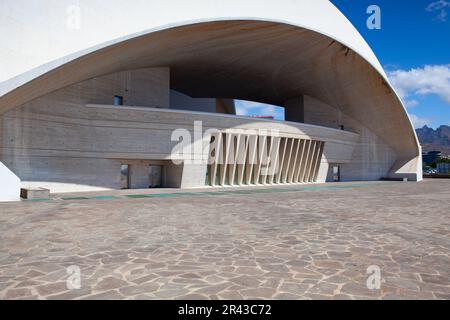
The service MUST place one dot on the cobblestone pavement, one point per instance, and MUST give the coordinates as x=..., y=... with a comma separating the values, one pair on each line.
x=291, y=245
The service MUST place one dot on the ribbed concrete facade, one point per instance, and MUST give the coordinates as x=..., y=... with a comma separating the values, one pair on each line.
x=246, y=159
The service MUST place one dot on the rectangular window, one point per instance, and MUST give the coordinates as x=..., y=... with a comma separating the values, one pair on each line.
x=118, y=100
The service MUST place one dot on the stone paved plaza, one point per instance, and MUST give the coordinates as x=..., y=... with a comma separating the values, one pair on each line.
x=286, y=243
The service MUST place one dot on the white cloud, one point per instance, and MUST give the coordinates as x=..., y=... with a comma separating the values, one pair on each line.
x=250, y=108
x=432, y=79
x=410, y=103
x=440, y=8
x=246, y=108
x=269, y=111
x=242, y=110
x=418, y=122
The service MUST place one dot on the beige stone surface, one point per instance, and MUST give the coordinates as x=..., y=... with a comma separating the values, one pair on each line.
x=309, y=242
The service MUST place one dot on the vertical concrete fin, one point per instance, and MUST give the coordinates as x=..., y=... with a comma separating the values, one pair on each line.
x=318, y=162
x=304, y=169
x=294, y=162
x=301, y=161
x=283, y=145
x=275, y=159
x=217, y=159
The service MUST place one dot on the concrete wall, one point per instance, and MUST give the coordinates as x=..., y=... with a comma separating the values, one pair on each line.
x=371, y=159
x=295, y=109
x=63, y=142
x=52, y=143
x=142, y=87
x=181, y=101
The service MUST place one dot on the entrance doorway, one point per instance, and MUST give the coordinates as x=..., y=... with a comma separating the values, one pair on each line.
x=336, y=173
x=125, y=176
x=155, y=176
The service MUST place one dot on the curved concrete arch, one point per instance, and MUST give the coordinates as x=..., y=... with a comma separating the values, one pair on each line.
x=335, y=64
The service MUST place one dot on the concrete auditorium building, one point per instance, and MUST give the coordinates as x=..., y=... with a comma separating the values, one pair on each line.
x=92, y=91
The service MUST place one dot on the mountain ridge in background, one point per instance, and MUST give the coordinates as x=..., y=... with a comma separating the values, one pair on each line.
x=435, y=140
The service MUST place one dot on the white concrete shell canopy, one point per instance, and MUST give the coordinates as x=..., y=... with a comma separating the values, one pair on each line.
x=263, y=51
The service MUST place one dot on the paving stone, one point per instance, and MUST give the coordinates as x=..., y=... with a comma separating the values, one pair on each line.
x=328, y=264
x=314, y=296
x=143, y=297
x=287, y=296
x=140, y=289
x=144, y=279
x=230, y=295
x=108, y=295
x=110, y=283
x=359, y=290
x=342, y=297
x=246, y=281
x=28, y=283
x=117, y=259
x=275, y=267
x=434, y=279
x=318, y=245
x=52, y=288
x=402, y=283
x=29, y=298
x=271, y=283
x=297, y=263
x=261, y=293
x=96, y=256
x=34, y=274
x=171, y=293
x=17, y=293
x=295, y=288
x=442, y=296
x=323, y=288
x=5, y=285
x=140, y=260
x=214, y=279
x=190, y=276
x=214, y=289
x=71, y=295
x=192, y=297
x=249, y=271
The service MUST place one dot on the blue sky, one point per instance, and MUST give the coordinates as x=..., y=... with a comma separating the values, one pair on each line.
x=413, y=46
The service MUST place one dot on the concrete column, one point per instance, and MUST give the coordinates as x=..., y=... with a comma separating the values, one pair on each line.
x=301, y=161
x=294, y=109
x=193, y=176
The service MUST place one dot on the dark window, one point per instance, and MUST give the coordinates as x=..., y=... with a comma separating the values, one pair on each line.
x=336, y=173
x=341, y=127
x=125, y=176
x=118, y=100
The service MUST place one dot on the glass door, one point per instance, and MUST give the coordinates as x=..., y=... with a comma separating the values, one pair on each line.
x=336, y=173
